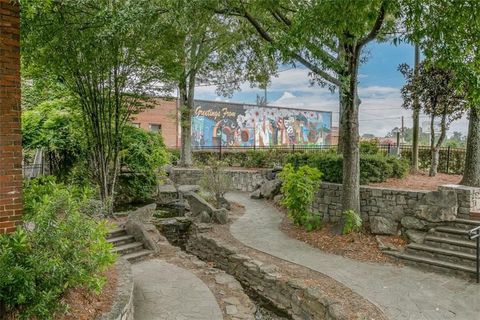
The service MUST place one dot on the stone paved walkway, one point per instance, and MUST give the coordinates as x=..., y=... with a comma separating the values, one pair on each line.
x=402, y=292
x=164, y=291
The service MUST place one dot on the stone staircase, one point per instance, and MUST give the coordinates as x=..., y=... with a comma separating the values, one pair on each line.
x=446, y=248
x=126, y=246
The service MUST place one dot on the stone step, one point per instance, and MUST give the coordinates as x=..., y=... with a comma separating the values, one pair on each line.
x=467, y=246
x=138, y=255
x=431, y=264
x=461, y=258
x=466, y=223
x=451, y=232
x=117, y=241
x=128, y=248
x=117, y=232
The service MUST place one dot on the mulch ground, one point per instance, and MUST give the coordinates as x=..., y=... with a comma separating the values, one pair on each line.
x=361, y=246
x=420, y=181
x=86, y=305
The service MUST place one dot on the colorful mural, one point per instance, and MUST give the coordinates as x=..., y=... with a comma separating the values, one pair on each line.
x=249, y=125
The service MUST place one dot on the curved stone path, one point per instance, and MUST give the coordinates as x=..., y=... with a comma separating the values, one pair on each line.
x=164, y=291
x=402, y=292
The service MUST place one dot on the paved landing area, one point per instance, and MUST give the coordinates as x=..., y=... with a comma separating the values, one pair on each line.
x=402, y=292
x=164, y=291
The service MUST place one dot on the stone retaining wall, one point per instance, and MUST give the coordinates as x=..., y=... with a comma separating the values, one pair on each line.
x=389, y=203
x=293, y=296
x=122, y=307
x=243, y=180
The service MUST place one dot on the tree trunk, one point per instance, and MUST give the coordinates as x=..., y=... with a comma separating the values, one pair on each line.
x=434, y=164
x=351, y=152
x=435, y=148
x=185, y=124
x=416, y=117
x=433, y=171
x=341, y=106
x=471, y=173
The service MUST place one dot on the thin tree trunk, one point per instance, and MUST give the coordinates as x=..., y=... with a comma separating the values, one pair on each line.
x=185, y=124
x=471, y=173
x=432, y=145
x=351, y=152
x=416, y=117
x=436, y=147
x=341, y=119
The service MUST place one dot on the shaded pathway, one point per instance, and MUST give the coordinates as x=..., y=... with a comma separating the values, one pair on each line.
x=164, y=291
x=402, y=292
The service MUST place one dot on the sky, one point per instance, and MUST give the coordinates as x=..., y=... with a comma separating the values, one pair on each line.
x=379, y=89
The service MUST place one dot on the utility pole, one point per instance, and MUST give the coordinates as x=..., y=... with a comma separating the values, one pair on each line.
x=403, y=132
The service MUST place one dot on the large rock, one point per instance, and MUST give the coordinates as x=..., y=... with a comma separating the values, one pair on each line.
x=220, y=216
x=198, y=204
x=409, y=222
x=188, y=188
x=143, y=214
x=205, y=217
x=416, y=236
x=270, y=188
x=166, y=193
x=224, y=203
x=382, y=225
x=437, y=206
x=256, y=194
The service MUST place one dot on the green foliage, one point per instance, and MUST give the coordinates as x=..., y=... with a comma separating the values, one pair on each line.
x=143, y=156
x=353, y=222
x=60, y=248
x=369, y=147
x=298, y=188
x=373, y=167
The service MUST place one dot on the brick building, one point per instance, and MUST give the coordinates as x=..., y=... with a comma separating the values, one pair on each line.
x=163, y=118
x=10, y=129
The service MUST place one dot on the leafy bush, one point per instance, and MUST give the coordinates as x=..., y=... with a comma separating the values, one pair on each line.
x=373, y=167
x=143, y=155
x=369, y=147
x=353, y=222
x=59, y=248
x=298, y=188
x=216, y=182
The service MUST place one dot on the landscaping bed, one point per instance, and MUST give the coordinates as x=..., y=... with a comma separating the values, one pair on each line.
x=419, y=181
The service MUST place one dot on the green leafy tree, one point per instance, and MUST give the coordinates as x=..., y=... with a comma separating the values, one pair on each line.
x=447, y=31
x=328, y=38
x=104, y=54
x=433, y=87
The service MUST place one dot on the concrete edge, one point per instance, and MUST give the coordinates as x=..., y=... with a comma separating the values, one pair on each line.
x=122, y=306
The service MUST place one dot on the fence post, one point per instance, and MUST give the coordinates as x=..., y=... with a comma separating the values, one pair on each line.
x=448, y=158
x=220, y=150
x=388, y=150
x=293, y=147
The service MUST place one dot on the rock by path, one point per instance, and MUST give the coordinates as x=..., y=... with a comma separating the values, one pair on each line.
x=164, y=291
x=403, y=293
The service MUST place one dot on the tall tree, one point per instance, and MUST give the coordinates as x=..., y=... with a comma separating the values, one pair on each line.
x=430, y=89
x=327, y=37
x=416, y=116
x=448, y=31
x=210, y=50
x=102, y=50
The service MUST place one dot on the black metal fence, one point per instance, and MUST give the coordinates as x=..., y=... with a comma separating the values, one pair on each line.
x=451, y=160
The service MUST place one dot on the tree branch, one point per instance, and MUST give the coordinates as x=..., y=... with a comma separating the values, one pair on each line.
x=376, y=27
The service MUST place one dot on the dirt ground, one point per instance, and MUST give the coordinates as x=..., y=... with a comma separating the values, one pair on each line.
x=420, y=181
x=85, y=305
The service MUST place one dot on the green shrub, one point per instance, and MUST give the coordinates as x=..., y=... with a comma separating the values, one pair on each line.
x=369, y=147
x=353, y=222
x=374, y=168
x=59, y=248
x=143, y=155
x=400, y=166
x=298, y=188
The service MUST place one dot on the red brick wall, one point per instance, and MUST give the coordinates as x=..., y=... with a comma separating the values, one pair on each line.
x=165, y=114
x=10, y=130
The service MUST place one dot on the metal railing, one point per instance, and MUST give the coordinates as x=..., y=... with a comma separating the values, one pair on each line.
x=475, y=234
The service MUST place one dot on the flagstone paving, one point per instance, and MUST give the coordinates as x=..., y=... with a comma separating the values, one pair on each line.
x=402, y=292
x=164, y=291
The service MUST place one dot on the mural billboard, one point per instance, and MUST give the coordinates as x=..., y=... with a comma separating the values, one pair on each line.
x=242, y=125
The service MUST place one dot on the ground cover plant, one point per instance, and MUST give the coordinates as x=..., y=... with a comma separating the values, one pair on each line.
x=58, y=248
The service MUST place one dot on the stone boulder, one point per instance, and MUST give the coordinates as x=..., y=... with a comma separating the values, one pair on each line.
x=382, y=225
x=198, y=204
x=204, y=217
x=220, y=216
x=188, y=188
x=437, y=206
x=267, y=190
x=166, y=193
x=256, y=194
x=143, y=214
x=224, y=203
x=415, y=236
x=409, y=222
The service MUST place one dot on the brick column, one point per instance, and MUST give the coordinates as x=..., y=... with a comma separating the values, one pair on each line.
x=10, y=129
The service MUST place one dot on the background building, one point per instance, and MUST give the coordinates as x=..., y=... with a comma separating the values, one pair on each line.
x=239, y=125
